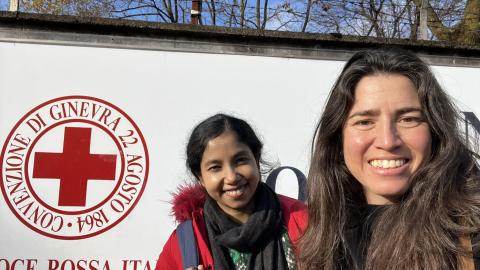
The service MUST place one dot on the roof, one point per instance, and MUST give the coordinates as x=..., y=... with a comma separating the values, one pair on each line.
x=120, y=33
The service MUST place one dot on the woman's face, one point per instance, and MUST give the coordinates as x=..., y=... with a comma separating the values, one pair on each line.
x=385, y=137
x=230, y=174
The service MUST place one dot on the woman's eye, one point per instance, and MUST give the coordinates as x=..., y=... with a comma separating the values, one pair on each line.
x=242, y=160
x=410, y=121
x=363, y=124
x=214, y=168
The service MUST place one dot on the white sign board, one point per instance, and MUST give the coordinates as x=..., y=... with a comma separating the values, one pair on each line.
x=130, y=112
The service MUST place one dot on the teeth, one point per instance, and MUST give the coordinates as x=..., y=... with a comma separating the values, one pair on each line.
x=235, y=192
x=387, y=164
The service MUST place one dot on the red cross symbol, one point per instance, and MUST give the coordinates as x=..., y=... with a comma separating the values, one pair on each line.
x=75, y=166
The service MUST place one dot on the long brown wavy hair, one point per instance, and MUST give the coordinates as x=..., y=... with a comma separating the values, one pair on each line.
x=442, y=204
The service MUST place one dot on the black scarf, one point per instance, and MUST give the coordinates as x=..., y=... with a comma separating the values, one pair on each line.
x=260, y=235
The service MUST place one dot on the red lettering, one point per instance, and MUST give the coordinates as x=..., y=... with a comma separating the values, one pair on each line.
x=127, y=199
x=71, y=108
x=7, y=265
x=55, y=115
x=130, y=179
x=128, y=188
x=15, y=263
x=15, y=187
x=64, y=263
x=15, y=150
x=131, y=169
x=19, y=264
x=36, y=124
x=93, y=265
x=82, y=264
x=106, y=113
x=106, y=266
x=147, y=266
x=128, y=139
x=11, y=161
x=60, y=224
x=95, y=111
x=83, y=109
x=18, y=138
x=31, y=264
x=22, y=197
x=114, y=123
x=46, y=220
x=117, y=205
x=137, y=265
x=65, y=110
x=17, y=170
x=26, y=207
x=53, y=264
x=36, y=216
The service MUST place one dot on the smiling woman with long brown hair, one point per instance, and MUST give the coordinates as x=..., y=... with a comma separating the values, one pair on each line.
x=392, y=182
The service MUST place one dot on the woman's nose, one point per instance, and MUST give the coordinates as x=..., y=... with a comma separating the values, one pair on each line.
x=387, y=137
x=230, y=174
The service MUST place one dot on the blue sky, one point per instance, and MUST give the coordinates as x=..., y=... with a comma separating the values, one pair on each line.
x=3, y=4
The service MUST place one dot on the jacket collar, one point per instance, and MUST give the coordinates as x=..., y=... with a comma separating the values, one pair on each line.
x=187, y=200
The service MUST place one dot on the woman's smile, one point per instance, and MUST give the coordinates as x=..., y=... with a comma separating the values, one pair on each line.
x=237, y=192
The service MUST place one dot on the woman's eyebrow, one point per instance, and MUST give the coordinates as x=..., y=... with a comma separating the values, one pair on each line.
x=211, y=161
x=377, y=112
x=365, y=113
x=408, y=110
x=241, y=153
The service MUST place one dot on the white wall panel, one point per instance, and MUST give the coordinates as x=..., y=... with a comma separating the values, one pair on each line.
x=166, y=94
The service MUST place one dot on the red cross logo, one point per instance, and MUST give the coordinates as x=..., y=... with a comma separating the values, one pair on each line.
x=83, y=189
x=75, y=166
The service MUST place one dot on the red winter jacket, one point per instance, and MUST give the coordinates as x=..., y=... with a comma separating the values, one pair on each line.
x=188, y=204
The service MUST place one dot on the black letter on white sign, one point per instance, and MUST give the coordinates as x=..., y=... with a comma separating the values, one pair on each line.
x=301, y=180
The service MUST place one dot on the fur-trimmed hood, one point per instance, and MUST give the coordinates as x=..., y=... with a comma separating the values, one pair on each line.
x=187, y=199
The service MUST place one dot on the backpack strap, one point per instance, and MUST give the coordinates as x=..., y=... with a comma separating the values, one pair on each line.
x=188, y=244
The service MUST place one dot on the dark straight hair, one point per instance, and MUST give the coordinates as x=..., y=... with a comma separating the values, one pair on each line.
x=441, y=205
x=213, y=127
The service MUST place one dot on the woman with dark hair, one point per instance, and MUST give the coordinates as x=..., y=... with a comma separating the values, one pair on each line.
x=238, y=222
x=392, y=183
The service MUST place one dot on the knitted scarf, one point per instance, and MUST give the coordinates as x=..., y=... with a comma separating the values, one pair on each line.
x=260, y=235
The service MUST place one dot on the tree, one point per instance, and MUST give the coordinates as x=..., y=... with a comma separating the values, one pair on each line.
x=451, y=23
x=448, y=20
x=93, y=8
